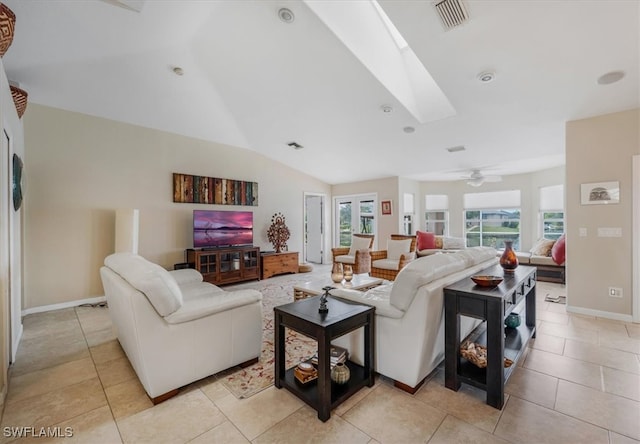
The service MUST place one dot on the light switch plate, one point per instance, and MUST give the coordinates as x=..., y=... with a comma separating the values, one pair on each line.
x=582, y=232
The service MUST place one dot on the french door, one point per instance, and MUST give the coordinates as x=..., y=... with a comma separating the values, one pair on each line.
x=354, y=214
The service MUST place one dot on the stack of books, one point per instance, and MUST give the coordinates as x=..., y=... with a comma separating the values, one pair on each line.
x=338, y=354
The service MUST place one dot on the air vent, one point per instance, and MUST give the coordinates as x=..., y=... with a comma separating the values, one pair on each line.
x=455, y=149
x=295, y=145
x=451, y=12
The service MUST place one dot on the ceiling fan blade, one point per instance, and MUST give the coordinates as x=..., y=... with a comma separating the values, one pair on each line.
x=493, y=178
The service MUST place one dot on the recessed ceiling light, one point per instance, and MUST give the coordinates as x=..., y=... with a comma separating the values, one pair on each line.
x=610, y=77
x=408, y=129
x=486, y=76
x=286, y=15
x=178, y=71
x=386, y=109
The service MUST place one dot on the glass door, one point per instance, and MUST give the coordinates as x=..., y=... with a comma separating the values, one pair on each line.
x=354, y=214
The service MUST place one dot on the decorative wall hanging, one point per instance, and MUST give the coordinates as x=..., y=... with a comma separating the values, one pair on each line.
x=19, y=99
x=386, y=207
x=600, y=193
x=211, y=190
x=278, y=233
x=17, y=182
x=7, y=28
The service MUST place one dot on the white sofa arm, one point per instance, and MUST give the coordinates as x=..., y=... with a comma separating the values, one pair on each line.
x=186, y=276
x=211, y=303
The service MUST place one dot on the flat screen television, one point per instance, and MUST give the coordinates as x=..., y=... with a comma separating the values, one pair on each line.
x=213, y=229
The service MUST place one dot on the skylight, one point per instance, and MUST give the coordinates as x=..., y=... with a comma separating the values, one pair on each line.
x=393, y=31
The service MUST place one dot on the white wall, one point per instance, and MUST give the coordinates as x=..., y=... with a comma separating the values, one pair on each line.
x=600, y=149
x=82, y=168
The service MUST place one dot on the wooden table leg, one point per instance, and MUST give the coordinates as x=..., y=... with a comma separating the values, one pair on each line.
x=369, y=357
x=452, y=343
x=279, y=351
x=495, y=359
x=324, y=377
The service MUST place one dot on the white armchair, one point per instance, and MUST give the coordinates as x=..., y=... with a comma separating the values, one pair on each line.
x=358, y=255
x=176, y=329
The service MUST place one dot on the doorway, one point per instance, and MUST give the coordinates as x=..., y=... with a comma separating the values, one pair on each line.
x=314, y=214
x=354, y=215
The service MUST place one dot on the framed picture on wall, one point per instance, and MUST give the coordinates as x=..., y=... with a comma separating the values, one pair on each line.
x=386, y=207
x=600, y=193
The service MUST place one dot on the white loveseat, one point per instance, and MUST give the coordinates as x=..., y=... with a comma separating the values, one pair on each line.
x=409, y=329
x=175, y=328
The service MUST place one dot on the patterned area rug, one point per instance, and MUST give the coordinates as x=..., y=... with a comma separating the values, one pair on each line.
x=248, y=381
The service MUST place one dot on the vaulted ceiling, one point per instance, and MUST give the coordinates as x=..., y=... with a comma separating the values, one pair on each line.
x=253, y=81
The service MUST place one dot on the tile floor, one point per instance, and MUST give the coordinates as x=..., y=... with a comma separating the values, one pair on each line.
x=579, y=383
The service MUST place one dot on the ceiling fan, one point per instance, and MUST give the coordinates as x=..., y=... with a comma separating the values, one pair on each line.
x=477, y=178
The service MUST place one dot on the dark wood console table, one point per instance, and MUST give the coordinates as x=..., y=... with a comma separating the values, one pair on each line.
x=342, y=318
x=516, y=292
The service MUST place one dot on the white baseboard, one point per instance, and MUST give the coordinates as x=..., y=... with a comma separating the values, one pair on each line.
x=600, y=314
x=62, y=305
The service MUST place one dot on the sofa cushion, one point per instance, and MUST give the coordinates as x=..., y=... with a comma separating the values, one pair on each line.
x=453, y=243
x=386, y=264
x=346, y=259
x=558, y=251
x=157, y=284
x=376, y=297
x=542, y=247
x=212, y=303
x=425, y=240
x=542, y=260
x=396, y=248
x=186, y=275
x=358, y=243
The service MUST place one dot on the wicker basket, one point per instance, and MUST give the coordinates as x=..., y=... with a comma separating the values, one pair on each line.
x=477, y=354
x=7, y=27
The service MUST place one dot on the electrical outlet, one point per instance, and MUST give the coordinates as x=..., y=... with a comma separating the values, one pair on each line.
x=615, y=292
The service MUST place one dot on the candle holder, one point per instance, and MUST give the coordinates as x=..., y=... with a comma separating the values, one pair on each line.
x=323, y=300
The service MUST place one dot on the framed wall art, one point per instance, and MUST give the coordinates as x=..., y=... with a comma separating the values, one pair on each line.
x=600, y=193
x=211, y=190
x=386, y=207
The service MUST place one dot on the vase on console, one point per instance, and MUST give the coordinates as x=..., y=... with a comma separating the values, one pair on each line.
x=347, y=271
x=336, y=272
x=509, y=260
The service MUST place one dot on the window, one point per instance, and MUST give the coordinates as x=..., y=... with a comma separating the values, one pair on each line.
x=354, y=214
x=407, y=219
x=492, y=218
x=436, y=215
x=552, y=211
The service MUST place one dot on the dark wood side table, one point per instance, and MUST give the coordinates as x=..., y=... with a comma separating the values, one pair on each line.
x=342, y=318
x=516, y=292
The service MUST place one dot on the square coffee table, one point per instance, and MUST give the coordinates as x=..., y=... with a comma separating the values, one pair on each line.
x=342, y=318
x=360, y=282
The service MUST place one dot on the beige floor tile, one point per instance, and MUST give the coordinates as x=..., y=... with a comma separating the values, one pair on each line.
x=41, y=322
x=115, y=371
x=615, y=438
x=569, y=332
x=526, y=422
x=95, y=427
x=621, y=383
x=93, y=318
x=603, y=409
x=178, y=420
x=550, y=316
x=107, y=351
x=44, y=327
x=468, y=403
x=453, y=430
x=633, y=330
x=619, y=342
x=225, y=433
x=353, y=400
x=99, y=337
x=391, y=415
x=563, y=367
x=598, y=324
x=603, y=356
x=556, y=308
x=48, y=351
x=255, y=415
x=552, y=344
x=52, y=378
x=304, y=426
x=55, y=406
x=213, y=388
x=533, y=386
x=127, y=398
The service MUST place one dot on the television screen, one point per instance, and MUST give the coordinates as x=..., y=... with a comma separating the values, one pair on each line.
x=222, y=228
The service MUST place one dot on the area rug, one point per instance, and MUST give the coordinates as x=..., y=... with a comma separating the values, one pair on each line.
x=248, y=381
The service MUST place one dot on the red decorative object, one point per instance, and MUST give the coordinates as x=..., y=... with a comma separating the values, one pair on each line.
x=278, y=233
x=19, y=99
x=425, y=240
x=7, y=27
x=509, y=260
x=558, y=252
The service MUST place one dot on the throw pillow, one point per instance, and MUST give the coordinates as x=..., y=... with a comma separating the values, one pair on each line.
x=558, y=252
x=542, y=247
x=439, y=242
x=359, y=243
x=396, y=248
x=425, y=240
x=453, y=243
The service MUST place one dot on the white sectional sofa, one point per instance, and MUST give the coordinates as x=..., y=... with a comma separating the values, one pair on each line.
x=409, y=329
x=176, y=329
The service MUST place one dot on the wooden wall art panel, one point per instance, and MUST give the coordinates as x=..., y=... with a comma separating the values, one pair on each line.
x=212, y=190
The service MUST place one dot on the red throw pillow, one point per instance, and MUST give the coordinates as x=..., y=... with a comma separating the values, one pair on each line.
x=425, y=240
x=558, y=251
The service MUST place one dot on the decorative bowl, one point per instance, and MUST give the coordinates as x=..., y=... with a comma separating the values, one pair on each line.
x=487, y=281
x=512, y=320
